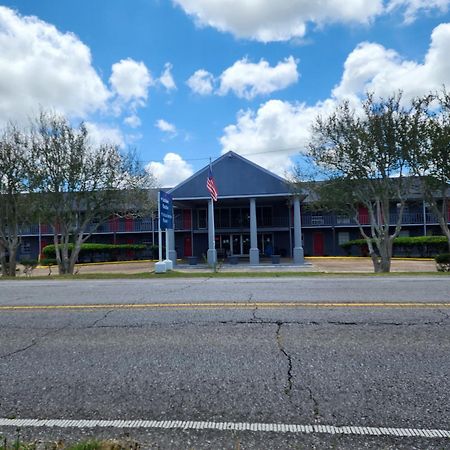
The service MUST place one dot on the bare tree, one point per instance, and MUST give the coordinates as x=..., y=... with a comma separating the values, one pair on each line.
x=361, y=157
x=429, y=158
x=15, y=205
x=81, y=185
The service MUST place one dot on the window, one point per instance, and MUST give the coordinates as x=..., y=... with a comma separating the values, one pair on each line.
x=342, y=220
x=202, y=219
x=404, y=233
x=343, y=237
x=317, y=220
x=25, y=248
x=264, y=216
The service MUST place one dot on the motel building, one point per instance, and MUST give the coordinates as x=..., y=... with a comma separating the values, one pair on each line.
x=258, y=219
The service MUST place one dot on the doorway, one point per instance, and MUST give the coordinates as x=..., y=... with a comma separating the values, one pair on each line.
x=318, y=244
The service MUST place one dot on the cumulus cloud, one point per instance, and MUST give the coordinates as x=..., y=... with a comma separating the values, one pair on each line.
x=372, y=67
x=171, y=171
x=279, y=130
x=201, y=82
x=166, y=78
x=166, y=127
x=133, y=121
x=269, y=20
x=131, y=80
x=413, y=7
x=247, y=79
x=104, y=134
x=42, y=67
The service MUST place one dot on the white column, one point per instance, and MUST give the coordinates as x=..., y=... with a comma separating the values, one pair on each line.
x=212, y=253
x=172, y=251
x=298, y=246
x=254, y=251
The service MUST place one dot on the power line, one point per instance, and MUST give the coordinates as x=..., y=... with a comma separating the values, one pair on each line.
x=207, y=158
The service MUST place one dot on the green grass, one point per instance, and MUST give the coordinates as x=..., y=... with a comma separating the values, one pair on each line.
x=175, y=274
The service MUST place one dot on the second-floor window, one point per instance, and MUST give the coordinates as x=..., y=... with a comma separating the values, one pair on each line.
x=202, y=219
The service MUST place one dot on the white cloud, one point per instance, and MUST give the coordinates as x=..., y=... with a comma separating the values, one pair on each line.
x=166, y=78
x=372, y=67
x=166, y=127
x=273, y=133
x=271, y=20
x=131, y=80
x=133, y=121
x=279, y=130
x=171, y=171
x=104, y=134
x=413, y=7
x=201, y=82
x=247, y=80
x=43, y=67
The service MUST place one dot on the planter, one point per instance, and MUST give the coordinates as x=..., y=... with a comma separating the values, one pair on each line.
x=192, y=260
x=233, y=260
x=275, y=259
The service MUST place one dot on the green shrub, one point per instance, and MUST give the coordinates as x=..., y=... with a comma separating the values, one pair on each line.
x=32, y=263
x=443, y=262
x=92, y=248
x=421, y=245
x=48, y=262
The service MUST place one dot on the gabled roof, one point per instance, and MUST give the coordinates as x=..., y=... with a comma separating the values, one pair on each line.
x=235, y=176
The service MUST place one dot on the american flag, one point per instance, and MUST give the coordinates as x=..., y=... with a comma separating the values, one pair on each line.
x=211, y=185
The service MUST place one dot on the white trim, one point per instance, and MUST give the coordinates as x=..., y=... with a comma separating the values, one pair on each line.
x=227, y=426
x=223, y=197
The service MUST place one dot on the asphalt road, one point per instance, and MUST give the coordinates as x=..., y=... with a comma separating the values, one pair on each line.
x=276, y=357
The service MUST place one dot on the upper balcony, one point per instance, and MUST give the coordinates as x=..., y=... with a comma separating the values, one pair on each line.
x=312, y=220
x=309, y=220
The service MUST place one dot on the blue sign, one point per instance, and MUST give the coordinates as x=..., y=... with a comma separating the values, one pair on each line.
x=165, y=211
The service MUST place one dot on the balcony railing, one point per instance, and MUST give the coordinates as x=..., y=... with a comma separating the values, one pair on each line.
x=331, y=220
x=144, y=225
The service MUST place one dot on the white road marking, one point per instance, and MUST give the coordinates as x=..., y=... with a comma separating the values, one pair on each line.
x=234, y=426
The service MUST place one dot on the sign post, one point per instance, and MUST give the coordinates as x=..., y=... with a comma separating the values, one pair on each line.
x=165, y=207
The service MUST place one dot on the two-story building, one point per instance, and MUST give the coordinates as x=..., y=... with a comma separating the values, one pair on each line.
x=257, y=215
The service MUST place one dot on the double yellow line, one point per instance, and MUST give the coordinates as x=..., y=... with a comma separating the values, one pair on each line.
x=231, y=305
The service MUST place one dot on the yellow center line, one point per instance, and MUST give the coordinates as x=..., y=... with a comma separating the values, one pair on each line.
x=229, y=305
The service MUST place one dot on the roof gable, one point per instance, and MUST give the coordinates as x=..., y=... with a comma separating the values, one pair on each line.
x=235, y=176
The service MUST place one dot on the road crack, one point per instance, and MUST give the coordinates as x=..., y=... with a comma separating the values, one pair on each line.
x=33, y=343
x=101, y=319
x=289, y=378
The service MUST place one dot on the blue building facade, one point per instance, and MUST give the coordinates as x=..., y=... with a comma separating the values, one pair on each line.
x=257, y=215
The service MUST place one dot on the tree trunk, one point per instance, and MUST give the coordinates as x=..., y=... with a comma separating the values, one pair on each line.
x=375, y=261
x=385, y=249
x=3, y=261
x=12, y=249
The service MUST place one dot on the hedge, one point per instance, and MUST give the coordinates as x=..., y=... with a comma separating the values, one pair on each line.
x=423, y=245
x=98, y=252
x=49, y=250
x=47, y=262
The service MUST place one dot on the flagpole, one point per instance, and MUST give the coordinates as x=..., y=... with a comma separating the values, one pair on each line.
x=212, y=218
x=212, y=255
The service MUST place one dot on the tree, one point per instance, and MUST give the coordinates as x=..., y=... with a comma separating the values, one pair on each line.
x=81, y=185
x=361, y=156
x=429, y=158
x=15, y=205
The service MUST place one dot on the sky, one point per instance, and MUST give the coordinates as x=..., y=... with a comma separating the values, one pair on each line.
x=183, y=81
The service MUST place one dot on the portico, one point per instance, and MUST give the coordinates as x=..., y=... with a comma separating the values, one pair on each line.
x=256, y=215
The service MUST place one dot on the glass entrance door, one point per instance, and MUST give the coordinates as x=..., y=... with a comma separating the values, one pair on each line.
x=240, y=244
x=236, y=247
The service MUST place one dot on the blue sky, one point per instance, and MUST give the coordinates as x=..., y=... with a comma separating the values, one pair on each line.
x=185, y=80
